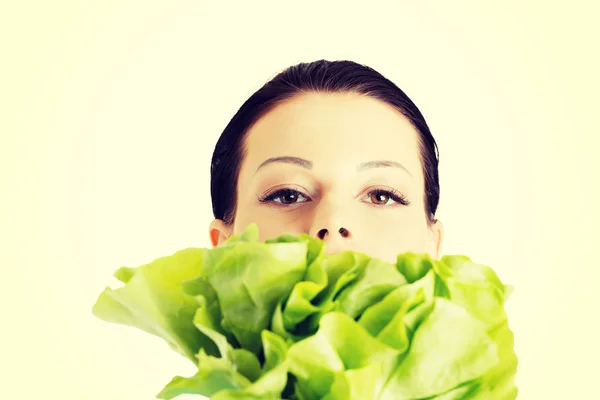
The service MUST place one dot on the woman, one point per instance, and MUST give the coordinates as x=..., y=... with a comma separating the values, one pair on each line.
x=334, y=150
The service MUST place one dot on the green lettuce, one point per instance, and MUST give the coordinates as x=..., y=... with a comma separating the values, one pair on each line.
x=281, y=319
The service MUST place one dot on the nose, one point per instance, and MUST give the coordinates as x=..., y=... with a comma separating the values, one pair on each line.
x=331, y=225
x=323, y=233
x=335, y=240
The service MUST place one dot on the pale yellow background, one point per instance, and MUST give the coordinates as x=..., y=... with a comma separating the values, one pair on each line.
x=110, y=110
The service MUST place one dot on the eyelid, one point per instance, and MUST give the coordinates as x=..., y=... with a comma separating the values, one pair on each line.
x=282, y=188
x=398, y=197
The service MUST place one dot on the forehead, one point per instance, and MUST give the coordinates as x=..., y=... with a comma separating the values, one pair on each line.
x=334, y=130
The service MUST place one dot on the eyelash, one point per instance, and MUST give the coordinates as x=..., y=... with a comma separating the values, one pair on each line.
x=392, y=194
x=270, y=197
x=396, y=196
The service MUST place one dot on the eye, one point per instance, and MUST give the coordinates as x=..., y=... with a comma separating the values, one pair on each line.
x=384, y=198
x=285, y=197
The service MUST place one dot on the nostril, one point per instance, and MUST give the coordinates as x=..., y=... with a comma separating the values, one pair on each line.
x=344, y=232
x=321, y=234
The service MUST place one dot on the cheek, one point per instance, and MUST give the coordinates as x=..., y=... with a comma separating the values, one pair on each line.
x=385, y=237
x=272, y=223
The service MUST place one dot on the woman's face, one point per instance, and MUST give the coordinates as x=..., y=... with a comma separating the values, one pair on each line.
x=322, y=164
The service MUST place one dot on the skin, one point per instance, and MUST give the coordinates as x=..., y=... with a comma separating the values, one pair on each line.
x=342, y=140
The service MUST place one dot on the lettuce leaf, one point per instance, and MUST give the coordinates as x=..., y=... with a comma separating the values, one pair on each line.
x=152, y=300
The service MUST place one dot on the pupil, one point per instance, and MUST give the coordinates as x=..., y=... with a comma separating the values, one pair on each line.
x=289, y=197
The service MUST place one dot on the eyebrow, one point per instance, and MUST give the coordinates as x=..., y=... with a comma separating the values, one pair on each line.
x=381, y=164
x=287, y=160
x=308, y=164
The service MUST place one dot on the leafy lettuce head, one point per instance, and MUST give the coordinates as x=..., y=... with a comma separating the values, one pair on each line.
x=281, y=319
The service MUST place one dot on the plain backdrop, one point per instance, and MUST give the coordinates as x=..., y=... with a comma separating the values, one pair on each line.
x=110, y=111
